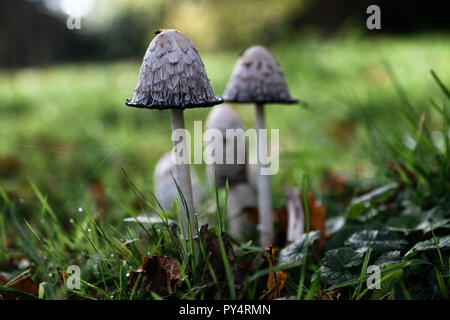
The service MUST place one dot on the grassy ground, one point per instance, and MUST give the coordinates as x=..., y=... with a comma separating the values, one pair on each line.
x=65, y=135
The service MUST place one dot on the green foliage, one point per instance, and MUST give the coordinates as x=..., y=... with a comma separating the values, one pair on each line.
x=337, y=265
x=295, y=251
x=70, y=133
x=377, y=240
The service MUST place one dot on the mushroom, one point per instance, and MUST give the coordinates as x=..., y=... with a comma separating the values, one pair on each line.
x=257, y=78
x=173, y=77
x=165, y=189
x=241, y=193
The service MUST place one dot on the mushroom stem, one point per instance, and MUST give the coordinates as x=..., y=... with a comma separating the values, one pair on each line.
x=183, y=178
x=264, y=193
x=240, y=195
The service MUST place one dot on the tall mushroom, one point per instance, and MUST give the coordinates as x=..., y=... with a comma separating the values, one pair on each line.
x=241, y=194
x=257, y=78
x=173, y=77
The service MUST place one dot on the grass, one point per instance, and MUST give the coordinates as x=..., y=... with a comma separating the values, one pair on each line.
x=74, y=162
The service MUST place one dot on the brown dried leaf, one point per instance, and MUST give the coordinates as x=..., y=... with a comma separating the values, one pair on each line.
x=275, y=280
x=212, y=249
x=24, y=284
x=161, y=272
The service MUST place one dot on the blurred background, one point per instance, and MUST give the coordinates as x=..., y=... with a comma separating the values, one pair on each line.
x=64, y=125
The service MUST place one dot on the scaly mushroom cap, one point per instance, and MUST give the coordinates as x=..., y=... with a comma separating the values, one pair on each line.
x=222, y=118
x=172, y=75
x=257, y=78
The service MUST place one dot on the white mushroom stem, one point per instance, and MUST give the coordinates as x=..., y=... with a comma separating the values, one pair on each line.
x=183, y=178
x=264, y=192
x=240, y=195
x=296, y=216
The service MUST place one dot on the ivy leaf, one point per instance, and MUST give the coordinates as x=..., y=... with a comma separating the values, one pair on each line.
x=390, y=257
x=377, y=240
x=295, y=251
x=426, y=225
x=404, y=223
x=427, y=245
x=336, y=265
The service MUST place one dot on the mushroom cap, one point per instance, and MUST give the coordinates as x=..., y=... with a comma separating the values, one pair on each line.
x=222, y=118
x=257, y=78
x=172, y=75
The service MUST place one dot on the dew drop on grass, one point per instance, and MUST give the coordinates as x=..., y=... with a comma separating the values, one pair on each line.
x=71, y=221
x=80, y=209
x=409, y=142
x=89, y=230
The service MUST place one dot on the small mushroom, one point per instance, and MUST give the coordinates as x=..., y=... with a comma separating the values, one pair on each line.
x=165, y=189
x=241, y=193
x=257, y=78
x=173, y=77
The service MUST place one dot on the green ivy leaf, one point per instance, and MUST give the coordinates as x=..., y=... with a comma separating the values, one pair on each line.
x=390, y=257
x=336, y=265
x=428, y=245
x=377, y=240
x=295, y=251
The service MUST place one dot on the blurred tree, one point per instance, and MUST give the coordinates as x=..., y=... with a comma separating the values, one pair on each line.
x=30, y=35
x=233, y=23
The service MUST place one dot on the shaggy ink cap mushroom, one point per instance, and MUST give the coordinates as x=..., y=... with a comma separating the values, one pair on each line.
x=222, y=118
x=257, y=78
x=165, y=189
x=173, y=75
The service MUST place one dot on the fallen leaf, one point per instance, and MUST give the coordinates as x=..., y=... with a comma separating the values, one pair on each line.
x=23, y=283
x=275, y=280
x=213, y=253
x=161, y=272
x=211, y=244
